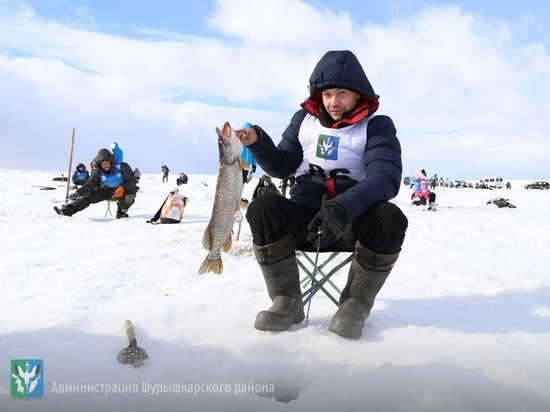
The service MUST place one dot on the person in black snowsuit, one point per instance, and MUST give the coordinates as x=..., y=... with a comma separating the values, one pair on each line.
x=265, y=186
x=347, y=162
x=137, y=174
x=165, y=172
x=182, y=179
x=501, y=202
x=288, y=182
x=109, y=180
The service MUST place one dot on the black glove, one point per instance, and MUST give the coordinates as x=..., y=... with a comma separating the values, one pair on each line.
x=253, y=168
x=331, y=220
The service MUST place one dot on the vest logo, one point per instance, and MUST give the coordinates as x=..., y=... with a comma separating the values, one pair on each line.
x=26, y=378
x=327, y=147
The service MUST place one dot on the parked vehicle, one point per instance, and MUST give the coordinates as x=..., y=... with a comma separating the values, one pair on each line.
x=494, y=182
x=538, y=185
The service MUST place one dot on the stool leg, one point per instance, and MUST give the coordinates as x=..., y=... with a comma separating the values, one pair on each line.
x=324, y=277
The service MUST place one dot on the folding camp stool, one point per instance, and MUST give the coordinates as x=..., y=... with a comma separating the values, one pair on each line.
x=108, y=211
x=329, y=263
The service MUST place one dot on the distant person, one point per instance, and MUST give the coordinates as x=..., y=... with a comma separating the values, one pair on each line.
x=108, y=181
x=165, y=172
x=501, y=202
x=508, y=186
x=433, y=182
x=288, y=181
x=421, y=194
x=250, y=163
x=80, y=175
x=137, y=174
x=181, y=179
x=117, y=152
x=265, y=186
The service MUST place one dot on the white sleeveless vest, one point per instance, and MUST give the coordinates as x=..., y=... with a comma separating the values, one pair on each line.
x=326, y=149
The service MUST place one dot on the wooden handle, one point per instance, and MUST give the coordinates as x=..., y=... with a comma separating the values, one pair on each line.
x=129, y=330
x=70, y=166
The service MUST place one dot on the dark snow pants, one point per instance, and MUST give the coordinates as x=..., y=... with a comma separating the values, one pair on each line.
x=100, y=194
x=272, y=217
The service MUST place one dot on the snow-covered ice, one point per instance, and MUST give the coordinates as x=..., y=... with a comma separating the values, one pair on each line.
x=463, y=323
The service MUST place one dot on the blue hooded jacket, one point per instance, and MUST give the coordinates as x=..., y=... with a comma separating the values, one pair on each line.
x=117, y=152
x=383, y=163
x=246, y=155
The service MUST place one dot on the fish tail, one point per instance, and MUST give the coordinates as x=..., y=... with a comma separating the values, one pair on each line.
x=211, y=265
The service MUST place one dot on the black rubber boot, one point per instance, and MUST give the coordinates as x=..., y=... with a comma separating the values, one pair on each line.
x=120, y=212
x=66, y=210
x=367, y=275
x=278, y=264
x=124, y=204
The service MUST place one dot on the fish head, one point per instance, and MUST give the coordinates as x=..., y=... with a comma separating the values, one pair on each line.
x=229, y=145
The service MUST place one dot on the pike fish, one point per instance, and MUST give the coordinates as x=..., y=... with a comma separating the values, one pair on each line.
x=229, y=187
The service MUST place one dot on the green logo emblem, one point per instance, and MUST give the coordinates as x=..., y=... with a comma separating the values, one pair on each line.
x=26, y=378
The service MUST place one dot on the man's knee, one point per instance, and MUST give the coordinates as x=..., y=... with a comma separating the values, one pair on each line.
x=382, y=228
x=127, y=200
x=390, y=214
x=269, y=204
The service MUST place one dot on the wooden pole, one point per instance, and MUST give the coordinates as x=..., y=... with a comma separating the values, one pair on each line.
x=70, y=166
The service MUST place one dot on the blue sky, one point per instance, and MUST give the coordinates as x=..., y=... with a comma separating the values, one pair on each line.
x=189, y=15
x=467, y=83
